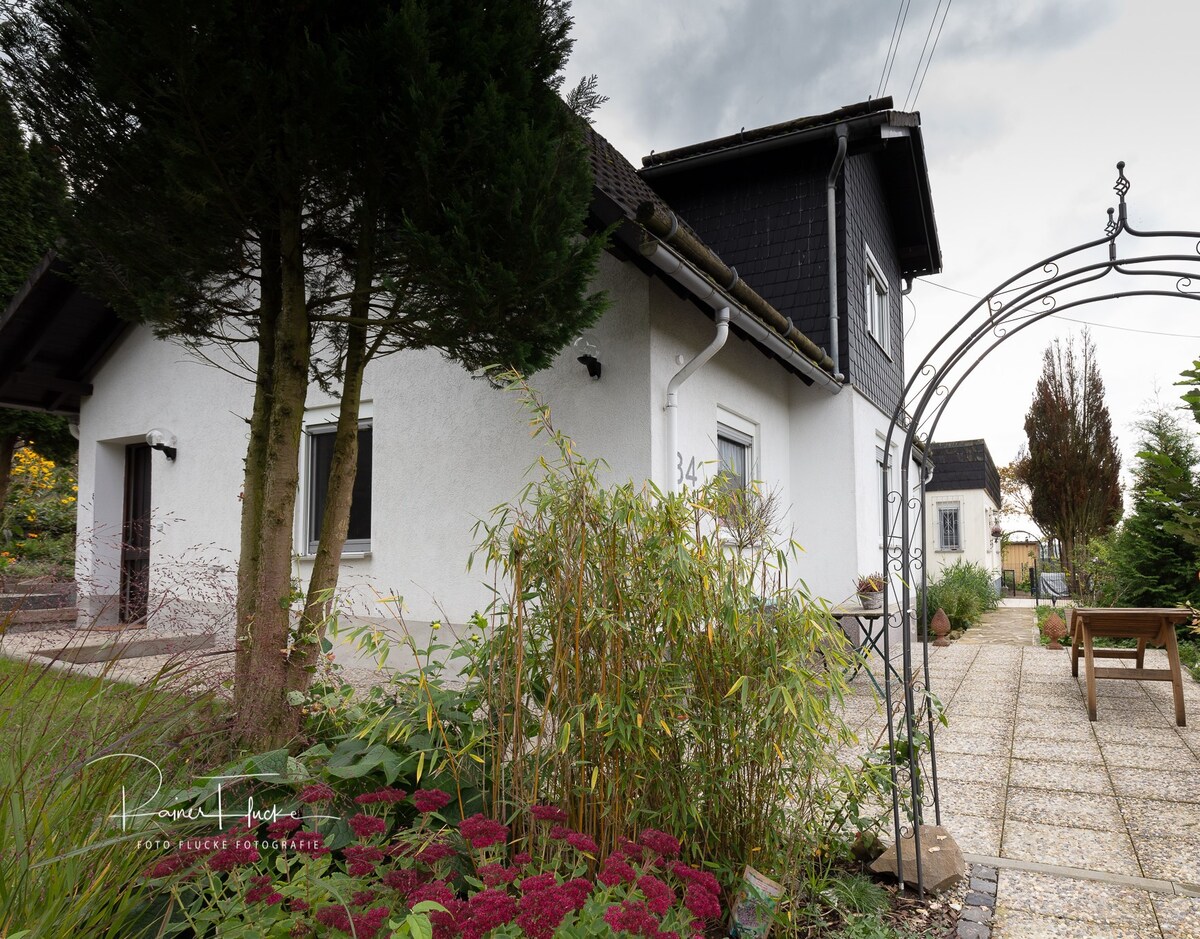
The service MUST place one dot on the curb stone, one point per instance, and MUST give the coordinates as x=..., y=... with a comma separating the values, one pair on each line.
x=979, y=905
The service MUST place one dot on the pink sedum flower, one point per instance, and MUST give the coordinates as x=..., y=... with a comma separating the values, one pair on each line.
x=316, y=793
x=431, y=800
x=366, y=826
x=660, y=842
x=482, y=832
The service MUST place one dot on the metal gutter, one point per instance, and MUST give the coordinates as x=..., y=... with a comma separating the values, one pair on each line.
x=697, y=362
x=672, y=264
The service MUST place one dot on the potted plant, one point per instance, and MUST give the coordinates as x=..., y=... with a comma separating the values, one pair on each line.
x=997, y=531
x=870, y=591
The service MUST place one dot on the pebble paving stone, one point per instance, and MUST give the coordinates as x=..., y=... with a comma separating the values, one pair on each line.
x=1025, y=777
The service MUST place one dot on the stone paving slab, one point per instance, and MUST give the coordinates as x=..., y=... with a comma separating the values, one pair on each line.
x=1094, y=824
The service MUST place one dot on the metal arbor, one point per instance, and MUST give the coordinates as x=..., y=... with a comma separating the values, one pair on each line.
x=1168, y=265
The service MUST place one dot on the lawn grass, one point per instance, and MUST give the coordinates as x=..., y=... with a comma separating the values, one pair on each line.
x=67, y=867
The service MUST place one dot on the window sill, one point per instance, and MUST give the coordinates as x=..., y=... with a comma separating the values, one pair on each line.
x=882, y=348
x=949, y=551
x=345, y=556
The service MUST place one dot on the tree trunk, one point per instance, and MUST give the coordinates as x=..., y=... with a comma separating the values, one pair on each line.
x=256, y=456
x=8, y=447
x=335, y=519
x=264, y=719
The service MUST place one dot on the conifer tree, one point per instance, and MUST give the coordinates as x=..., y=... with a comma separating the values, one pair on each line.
x=1071, y=464
x=1153, y=563
x=329, y=181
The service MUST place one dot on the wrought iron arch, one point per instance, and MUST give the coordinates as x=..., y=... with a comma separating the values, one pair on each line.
x=1072, y=278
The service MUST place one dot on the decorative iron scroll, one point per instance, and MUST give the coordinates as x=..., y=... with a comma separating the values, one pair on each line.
x=1091, y=272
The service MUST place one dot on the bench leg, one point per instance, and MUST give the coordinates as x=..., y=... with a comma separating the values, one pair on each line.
x=1141, y=653
x=1090, y=673
x=1176, y=677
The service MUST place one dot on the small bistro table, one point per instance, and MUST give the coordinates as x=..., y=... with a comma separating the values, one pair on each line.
x=1153, y=626
x=870, y=627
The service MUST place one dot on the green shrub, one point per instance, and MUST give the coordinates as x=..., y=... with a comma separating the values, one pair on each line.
x=648, y=668
x=965, y=591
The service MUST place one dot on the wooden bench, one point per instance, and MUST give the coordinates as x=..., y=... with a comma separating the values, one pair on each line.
x=1153, y=626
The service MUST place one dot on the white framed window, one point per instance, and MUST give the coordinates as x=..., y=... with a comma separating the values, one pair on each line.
x=735, y=452
x=318, y=458
x=877, y=302
x=949, y=526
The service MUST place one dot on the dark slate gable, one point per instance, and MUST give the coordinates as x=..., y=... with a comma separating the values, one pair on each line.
x=964, y=464
x=766, y=217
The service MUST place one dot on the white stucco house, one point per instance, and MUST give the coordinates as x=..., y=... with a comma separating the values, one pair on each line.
x=802, y=236
x=962, y=507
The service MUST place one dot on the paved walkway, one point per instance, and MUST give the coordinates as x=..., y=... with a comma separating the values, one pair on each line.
x=1008, y=625
x=1094, y=827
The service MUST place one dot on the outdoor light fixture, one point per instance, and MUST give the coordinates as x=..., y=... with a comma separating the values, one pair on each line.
x=163, y=440
x=589, y=356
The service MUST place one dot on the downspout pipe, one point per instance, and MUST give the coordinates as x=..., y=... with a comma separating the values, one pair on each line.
x=677, y=380
x=843, y=139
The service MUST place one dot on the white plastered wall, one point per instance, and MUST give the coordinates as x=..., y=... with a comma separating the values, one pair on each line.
x=976, y=514
x=447, y=450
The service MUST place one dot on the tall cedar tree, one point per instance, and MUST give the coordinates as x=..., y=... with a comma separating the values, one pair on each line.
x=1154, y=564
x=1178, y=485
x=31, y=201
x=329, y=182
x=1071, y=465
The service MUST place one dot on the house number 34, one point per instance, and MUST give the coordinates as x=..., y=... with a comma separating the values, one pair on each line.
x=688, y=474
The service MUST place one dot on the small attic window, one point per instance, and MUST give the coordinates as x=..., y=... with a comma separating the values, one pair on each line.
x=875, y=302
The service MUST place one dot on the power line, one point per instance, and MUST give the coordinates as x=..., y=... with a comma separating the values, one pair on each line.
x=1071, y=319
x=931, y=52
x=887, y=55
x=905, y=4
x=921, y=57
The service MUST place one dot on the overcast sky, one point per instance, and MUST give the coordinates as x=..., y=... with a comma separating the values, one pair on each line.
x=1026, y=107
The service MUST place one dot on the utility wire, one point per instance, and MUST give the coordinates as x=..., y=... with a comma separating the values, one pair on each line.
x=1071, y=319
x=924, y=49
x=931, y=51
x=896, y=48
x=887, y=55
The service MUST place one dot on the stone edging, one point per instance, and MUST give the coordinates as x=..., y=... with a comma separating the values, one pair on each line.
x=979, y=905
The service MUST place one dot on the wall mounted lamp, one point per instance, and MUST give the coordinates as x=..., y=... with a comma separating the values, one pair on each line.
x=163, y=440
x=588, y=355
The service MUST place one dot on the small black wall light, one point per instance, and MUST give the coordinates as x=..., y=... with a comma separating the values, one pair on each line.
x=588, y=357
x=163, y=440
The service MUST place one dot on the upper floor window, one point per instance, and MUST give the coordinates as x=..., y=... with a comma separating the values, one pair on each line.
x=734, y=455
x=320, y=460
x=876, y=302
x=949, y=537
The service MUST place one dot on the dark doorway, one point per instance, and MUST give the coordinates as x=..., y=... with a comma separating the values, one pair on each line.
x=135, y=535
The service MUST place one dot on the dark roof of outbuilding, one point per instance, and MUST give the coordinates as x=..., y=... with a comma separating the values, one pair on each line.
x=52, y=339
x=963, y=464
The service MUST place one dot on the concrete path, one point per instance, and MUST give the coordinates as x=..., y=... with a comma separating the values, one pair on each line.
x=1094, y=827
x=1006, y=626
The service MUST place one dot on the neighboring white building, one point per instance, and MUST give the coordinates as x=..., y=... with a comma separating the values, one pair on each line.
x=441, y=449
x=962, y=508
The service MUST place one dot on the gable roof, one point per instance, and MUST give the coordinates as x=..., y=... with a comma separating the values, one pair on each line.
x=53, y=335
x=622, y=196
x=893, y=137
x=963, y=464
